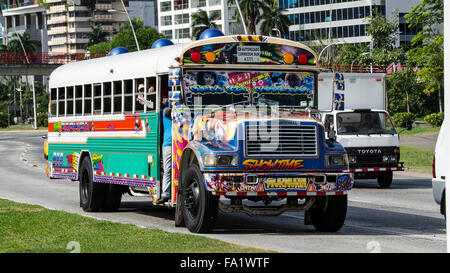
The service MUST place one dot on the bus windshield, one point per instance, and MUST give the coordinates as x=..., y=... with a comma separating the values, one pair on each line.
x=274, y=88
x=354, y=123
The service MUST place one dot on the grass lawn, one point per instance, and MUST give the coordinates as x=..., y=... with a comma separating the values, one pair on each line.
x=417, y=130
x=416, y=157
x=21, y=127
x=31, y=229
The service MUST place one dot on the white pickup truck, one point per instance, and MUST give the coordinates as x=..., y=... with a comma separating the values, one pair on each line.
x=353, y=109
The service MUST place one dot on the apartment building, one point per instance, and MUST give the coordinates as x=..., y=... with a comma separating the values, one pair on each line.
x=343, y=20
x=19, y=16
x=174, y=17
x=69, y=21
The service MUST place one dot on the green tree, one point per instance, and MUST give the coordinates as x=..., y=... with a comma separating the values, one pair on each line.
x=405, y=94
x=251, y=9
x=201, y=21
x=100, y=49
x=15, y=45
x=428, y=48
x=97, y=35
x=383, y=33
x=271, y=17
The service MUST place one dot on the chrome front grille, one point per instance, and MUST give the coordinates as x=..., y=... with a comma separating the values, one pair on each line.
x=289, y=140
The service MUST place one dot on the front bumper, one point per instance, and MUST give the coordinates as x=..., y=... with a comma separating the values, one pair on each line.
x=278, y=184
x=375, y=169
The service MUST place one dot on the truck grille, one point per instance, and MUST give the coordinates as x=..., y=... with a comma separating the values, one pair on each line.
x=290, y=140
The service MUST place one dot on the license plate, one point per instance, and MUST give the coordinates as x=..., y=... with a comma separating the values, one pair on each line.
x=248, y=54
x=286, y=183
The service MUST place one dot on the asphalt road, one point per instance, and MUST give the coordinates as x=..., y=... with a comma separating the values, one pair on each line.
x=403, y=218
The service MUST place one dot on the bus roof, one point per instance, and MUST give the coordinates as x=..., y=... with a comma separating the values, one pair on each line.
x=149, y=62
x=130, y=65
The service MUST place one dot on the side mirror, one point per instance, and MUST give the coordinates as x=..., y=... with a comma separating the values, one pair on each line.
x=332, y=135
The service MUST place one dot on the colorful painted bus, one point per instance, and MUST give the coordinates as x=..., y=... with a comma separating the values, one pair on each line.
x=244, y=134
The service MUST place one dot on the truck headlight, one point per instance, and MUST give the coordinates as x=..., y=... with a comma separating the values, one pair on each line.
x=385, y=158
x=221, y=160
x=393, y=158
x=336, y=160
x=352, y=159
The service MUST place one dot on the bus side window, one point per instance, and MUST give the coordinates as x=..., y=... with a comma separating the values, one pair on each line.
x=69, y=99
x=53, y=99
x=151, y=94
x=140, y=92
x=164, y=86
x=97, y=99
x=128, y=96
x=107, y=98
x=117, y=97
x=88, y=100
x=61, y=102
x=78, y=100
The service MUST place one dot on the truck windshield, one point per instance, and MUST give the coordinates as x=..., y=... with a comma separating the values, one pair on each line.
x=283, y=89
x=354, y=123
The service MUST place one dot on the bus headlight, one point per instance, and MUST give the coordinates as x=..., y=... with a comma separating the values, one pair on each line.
x=221, y=160
x=336, y=160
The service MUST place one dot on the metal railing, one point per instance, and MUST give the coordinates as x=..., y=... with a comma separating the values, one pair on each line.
x=38, y=58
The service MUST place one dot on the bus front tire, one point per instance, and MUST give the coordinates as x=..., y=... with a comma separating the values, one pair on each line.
x=179, y=219
x=92, y=195
x=200, y=207
x=329, y=212
x=385, y=179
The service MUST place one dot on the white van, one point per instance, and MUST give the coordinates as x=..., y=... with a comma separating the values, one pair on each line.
x=439, y=161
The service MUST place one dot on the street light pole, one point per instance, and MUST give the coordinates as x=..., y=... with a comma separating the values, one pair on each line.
x=323, y=50
x=131, y=25
x=277, y=30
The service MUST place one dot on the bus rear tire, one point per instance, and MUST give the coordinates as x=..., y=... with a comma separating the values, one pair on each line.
x=113, y=197
x=385, y=179
x=92, y=195
x=200, y=207
x=329, y=213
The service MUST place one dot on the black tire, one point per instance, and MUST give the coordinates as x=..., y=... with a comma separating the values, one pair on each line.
x=443, y=204
x=92, y=195
x=385, y=179
x=113, y=197
x=179, y=219
x=328, y=215
x=200, y=207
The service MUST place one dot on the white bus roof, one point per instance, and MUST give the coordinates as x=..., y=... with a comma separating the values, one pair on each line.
x=130, y=65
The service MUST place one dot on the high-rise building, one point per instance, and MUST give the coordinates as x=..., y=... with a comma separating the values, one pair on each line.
x=146, y=10
x=175, y=17
x=69, y=21
x=20, y=16
x=343, y=20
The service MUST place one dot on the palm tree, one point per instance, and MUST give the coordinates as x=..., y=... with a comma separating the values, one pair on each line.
x=97, y=35
x=201, y=21
x=24, y=40
x=251, y=9
x=272, y=17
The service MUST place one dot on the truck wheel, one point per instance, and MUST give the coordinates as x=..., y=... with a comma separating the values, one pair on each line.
x=443, y=204
x=329, y=215
x=385, y=179
x=92, y=195
x=200, y=207
x=113, y=197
